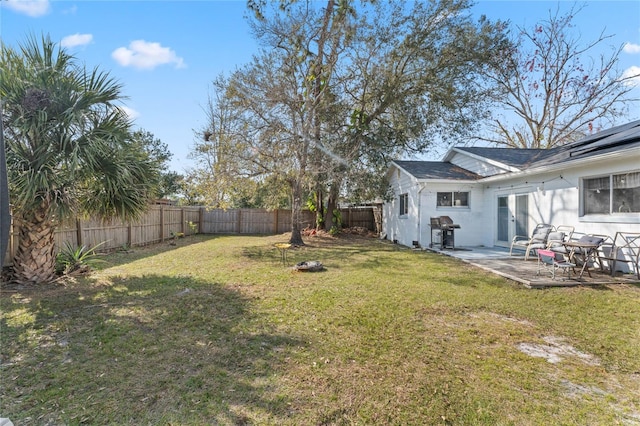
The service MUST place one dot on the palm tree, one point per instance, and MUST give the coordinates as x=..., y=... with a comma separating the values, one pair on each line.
x=68, y=150
x=5, y=218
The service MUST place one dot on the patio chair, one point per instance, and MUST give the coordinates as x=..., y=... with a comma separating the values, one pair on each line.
x=568, y=231
x=557, y=246
x=538, y=240
x=553, y=261
x=557, y=238
x=625, y=249
x=604, y=250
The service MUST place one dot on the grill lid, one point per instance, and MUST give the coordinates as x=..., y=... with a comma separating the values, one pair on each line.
x=443, y=222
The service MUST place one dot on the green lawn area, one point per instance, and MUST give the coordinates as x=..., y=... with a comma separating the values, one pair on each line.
x=215, y=330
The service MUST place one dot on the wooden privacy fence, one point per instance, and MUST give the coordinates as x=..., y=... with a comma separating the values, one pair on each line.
x=261, y=221
x=157, y=224
x=161, y=223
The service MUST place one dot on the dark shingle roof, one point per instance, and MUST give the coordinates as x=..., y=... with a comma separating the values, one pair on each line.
x=436, y=170
x=626, y=136
x=519, y=158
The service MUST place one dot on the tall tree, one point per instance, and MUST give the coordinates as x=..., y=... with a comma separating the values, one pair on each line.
x=554, y=88
x=390, y=82
x=169, y=183
x=218, y=174
x=68, y=150
x=283, y=93
x=409, y=81
x=338, y=91
x=272, y=142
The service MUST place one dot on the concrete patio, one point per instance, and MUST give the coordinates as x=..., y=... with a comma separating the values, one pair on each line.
x=498, y=261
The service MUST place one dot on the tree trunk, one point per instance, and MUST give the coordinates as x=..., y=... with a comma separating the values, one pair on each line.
x=34, y=261
x=5, y=213
x=332, y=205
x=319, y=209
x=296, y=215
x=329, y=220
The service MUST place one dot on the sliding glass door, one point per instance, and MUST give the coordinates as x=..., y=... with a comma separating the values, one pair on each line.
x=513, y=217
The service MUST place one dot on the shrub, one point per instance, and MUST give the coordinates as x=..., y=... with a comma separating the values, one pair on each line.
x=76, y=259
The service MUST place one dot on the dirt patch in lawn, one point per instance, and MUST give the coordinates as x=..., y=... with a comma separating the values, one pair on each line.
x=556, y=350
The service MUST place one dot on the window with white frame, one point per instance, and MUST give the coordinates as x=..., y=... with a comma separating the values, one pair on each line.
x=452, y=199
x=404, y=204
x=611, y=194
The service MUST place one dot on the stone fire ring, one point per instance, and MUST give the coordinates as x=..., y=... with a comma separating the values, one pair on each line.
x=309, y=266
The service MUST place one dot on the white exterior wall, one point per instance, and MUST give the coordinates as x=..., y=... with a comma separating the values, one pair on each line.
x=471, y=219
x=402, y=229
x=557, y=200
x=554, y=196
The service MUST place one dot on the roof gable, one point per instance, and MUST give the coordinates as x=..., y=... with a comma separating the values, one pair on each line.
x=436, y=170
x=515, y=158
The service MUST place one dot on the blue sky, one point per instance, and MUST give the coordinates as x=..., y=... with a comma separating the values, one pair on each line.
x=166, y=53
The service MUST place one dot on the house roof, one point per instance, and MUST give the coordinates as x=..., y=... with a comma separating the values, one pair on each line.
x=518, y=158
x=624, y=137
x=436, y=170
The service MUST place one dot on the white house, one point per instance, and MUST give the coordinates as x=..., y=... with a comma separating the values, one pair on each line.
x=495, y=193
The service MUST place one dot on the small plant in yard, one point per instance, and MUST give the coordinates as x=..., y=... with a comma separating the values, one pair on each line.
x=175, y=236
x=76, y=259
x=193, y=227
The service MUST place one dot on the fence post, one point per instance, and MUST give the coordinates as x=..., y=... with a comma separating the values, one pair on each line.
x=79, y=233
x=239, y=223
x=275, y=221
x=182, y=229
x=201, y=220
x=161, y=223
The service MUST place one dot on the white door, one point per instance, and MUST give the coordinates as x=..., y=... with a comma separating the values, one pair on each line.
x=513, y=217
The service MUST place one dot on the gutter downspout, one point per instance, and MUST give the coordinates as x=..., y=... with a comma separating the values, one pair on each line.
x=422, y=187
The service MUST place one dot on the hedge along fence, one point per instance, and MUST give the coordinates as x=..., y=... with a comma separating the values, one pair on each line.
x=162, y=223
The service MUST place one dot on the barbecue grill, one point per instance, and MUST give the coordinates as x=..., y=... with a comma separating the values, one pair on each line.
x=443, y=229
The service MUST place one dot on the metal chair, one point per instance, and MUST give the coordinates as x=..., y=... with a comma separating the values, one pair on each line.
x=538, y=240
x=553, y=261
x=562, y=234
x=625, y=249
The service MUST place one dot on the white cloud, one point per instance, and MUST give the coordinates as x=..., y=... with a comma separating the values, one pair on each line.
x=76, y=40
x=631, y=48
x=131, y=113
x=33, y=8
x=633, y=71
x=146, y=55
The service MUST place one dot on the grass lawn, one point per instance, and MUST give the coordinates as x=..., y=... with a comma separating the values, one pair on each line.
x=215, y=330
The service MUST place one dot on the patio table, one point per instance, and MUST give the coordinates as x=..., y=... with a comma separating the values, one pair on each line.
x=587, y=251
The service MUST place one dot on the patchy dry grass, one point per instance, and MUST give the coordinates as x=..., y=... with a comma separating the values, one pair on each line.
x=216, y=330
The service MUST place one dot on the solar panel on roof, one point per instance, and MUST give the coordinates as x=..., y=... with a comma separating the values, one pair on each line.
x=621, y=138
x=603, y=135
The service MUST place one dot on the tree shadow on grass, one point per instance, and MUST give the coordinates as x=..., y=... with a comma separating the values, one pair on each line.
x=143, y=350
x=333, y=253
